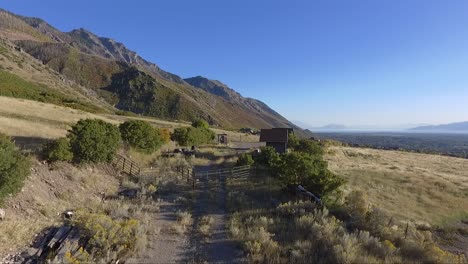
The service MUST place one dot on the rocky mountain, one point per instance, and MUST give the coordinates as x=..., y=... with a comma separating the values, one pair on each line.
x=122, y=78
x=452, y=127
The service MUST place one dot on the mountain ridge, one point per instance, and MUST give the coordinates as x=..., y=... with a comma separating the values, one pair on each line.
x=454, y=127
x=97, y=62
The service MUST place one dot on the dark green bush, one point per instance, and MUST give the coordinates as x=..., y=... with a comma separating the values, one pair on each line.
x=308, y=170
x=267, y=157
x=141, y=135
x=14, y=168
x=200, y=123
x=93, y=140
x=304, y=145
x=192, y=136
x=180, y=135
x=58, y=150
x=309, y=147
x=245, y=159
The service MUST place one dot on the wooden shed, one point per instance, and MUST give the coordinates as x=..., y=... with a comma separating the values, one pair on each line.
x=276, y=138
x=222, y=139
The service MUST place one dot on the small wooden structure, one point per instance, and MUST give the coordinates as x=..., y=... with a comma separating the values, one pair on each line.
x=276, y=138
x=222, y=139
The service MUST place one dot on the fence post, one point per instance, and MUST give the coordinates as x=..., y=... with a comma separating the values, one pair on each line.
x=123, y=165
x=131, y=168
x=193, y=181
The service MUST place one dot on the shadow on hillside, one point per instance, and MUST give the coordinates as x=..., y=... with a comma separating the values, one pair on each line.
x=30, y=144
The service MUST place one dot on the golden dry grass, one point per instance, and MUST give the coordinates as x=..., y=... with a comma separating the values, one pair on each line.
x=422, y=187
x=20, y=117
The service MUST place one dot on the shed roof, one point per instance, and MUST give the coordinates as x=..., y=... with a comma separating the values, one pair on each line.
x=279, y=135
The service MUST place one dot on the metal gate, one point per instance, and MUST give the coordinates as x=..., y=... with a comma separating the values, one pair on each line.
x=241, y=171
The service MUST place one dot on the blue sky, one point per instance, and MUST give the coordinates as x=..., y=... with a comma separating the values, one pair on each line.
x=382, y=63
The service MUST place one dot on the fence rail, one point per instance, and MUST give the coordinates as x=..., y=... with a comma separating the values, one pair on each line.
x=126, y=165
x=236, y=171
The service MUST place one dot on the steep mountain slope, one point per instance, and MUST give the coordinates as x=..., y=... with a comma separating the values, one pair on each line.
x=129, y=82
x=255, y=107
x=452, y=127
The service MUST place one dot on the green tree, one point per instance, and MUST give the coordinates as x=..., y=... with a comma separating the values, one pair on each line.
x=267, y=157
x=309, y=147
x=14, y=168
x=293, y=140
x=308, y=170
x=141, y=135
x=192, y=136
x=180, y=135
x=59, y=149
x=93, y=140
x=200, y=123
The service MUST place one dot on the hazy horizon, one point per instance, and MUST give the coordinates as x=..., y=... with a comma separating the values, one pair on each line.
x=359, y=63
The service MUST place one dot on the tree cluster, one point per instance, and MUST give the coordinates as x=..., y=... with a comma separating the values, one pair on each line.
x=303, y=164
x=198, y=134
x=94, y=140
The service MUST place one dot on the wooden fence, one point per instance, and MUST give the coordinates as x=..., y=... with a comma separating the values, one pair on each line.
x=126, y=165
x=240, y=171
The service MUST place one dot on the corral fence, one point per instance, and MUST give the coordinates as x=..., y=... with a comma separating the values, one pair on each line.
x=240, y=171
x=126, y=165
x=192, y=175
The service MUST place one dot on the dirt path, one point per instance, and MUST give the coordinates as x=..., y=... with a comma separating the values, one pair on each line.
x=215, y=247
x=208, y=200
x=165, y=246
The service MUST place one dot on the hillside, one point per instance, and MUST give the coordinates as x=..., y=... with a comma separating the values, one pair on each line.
x=120, y=77
x=452, y=127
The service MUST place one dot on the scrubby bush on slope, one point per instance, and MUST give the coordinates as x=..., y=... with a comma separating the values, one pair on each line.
x=94, y=140
x=110, y=239
x=267, y=157
x=196, y=135
x=141, y=135
x=59, y=149
x=311, y=171
x=14, y=168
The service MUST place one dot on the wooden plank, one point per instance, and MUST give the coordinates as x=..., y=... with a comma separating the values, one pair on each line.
x=63, y=231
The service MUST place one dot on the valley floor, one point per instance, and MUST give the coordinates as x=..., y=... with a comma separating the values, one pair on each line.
x=421, y=187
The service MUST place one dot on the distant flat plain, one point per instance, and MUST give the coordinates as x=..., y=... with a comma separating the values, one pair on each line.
x=452, y=144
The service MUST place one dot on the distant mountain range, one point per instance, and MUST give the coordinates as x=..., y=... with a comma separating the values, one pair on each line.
x=452, y=127
x=115, y=75
x=331, y=127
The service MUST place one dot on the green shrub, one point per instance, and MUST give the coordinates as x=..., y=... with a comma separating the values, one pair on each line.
x=267, y=157
x=186, y=136
x=308, y=170
x=245, y=159
x=309, y=147
x=180, y=135
x=14, y=168
x=94, y=140
x=141, y=135
x=304, y=145
x=58, y=150
x=200, y=123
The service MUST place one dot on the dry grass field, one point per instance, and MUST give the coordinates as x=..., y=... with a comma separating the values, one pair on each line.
x=26, y=118
x=421, y=187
